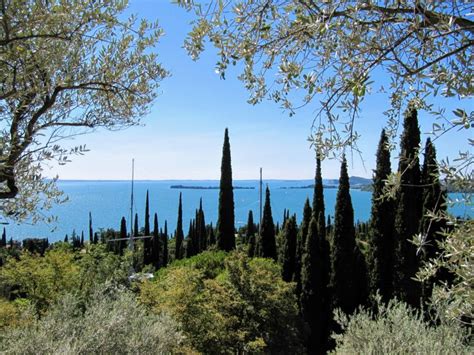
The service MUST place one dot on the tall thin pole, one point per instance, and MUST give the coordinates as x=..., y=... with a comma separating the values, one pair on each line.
x=260, y=223
x=131, y=207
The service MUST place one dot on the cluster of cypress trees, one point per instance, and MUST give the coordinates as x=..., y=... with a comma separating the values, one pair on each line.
x=155, y=244
x=154, y=241
x=76, y=241
x=200, y=235
x=393, y=259
x=326, y=260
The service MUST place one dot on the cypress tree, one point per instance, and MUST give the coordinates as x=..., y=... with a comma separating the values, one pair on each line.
x=381, y=246
x=226, y=220
x=66, y=239
x=147, y=215
x=343, y=284
x=91, y=232
x=190, y=241
x=82, y=239
x=300, y=245
x=318, y=198
x=314, y=301
x=266, y=241
x=179, y=237
x=76, y=240
x=123, y=235
x=201, y=228
x=135, y=227
x=434, y=202
x=408, y=212
x=250, y=227
x=147, y=242
x=156, y=244
x=96, y=238
x=164, y=240
x=289, y=249
x=3, y=242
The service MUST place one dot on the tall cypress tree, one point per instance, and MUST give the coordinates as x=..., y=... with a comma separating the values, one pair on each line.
x=147, y=214
x=123, y=235
x=289, y=248
x=434, y=202
x=135, y=226
x=408, y=212
x=226, y=220
x=156, y=244
x=381, y=246
x=314, y=299
x=191, y=241
x=300, y=245
x=179, y=236
x=318, y=198
x=164, y=239
x=91, y=232
x=147, y=242
x=343, y=284
x=201, y=228
x=266, y=241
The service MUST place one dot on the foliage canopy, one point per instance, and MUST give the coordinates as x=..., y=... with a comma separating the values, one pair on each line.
x=67, y=67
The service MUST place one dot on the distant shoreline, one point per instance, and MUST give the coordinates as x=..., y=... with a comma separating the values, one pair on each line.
x=209, y=187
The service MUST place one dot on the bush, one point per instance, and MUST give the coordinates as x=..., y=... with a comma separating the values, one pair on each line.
x=113, y=322
x=397, y=329
x=246, y=307
x=40, y=279
x=44, y=280
x=210, y=263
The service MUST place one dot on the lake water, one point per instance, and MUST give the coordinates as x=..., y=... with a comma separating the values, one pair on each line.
x=108, y=201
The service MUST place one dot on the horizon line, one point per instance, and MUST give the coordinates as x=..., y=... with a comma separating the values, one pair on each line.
x=184, y=179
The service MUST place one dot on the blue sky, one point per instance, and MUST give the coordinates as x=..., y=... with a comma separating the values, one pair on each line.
x=183, y=134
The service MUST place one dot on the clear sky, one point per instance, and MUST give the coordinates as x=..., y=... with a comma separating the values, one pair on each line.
x=183, y=134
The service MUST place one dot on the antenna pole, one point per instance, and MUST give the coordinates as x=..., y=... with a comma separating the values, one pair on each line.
x=260, y=224
x=130, y=245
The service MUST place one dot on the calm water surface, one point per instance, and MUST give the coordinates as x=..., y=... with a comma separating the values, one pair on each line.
x=108, y=201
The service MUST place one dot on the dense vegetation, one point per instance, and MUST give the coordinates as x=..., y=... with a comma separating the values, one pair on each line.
x=400, y=283
x=290, y=290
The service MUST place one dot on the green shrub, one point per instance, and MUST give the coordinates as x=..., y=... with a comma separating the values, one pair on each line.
x=45, y=279
x=42, y=280
x=247, y=307
x=113, y=322
x=397, y=329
